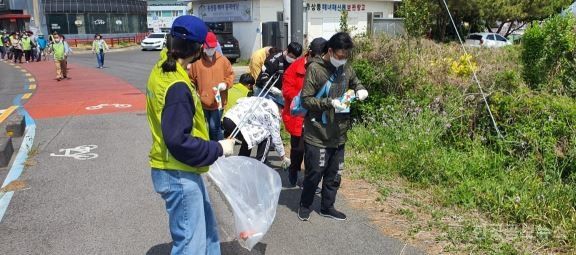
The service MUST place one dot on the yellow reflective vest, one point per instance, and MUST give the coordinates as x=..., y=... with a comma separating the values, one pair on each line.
x=158, y=85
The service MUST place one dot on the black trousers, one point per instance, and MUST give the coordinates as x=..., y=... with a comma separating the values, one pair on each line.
x=263, y=147
x=27, y=55
x=17, y=56
x=322, y=163
x=296, y=153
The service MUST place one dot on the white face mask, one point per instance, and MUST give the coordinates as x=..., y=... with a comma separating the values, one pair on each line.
x=337, y=62
x=210, y=52
x=289, y=59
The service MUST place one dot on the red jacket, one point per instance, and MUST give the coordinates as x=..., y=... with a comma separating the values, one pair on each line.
x=292, y=83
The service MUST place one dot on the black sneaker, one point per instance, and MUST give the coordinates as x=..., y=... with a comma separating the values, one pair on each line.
x=333, y=214
x=292, y=177
x=304, y=213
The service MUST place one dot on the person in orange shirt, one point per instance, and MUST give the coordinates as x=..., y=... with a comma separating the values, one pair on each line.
x=212, y=75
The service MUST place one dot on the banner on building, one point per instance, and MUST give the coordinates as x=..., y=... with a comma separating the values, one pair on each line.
x=226, y=11
x=319, y=7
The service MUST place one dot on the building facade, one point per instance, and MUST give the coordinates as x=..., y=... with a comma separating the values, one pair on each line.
x=161, y=14
x=14, y=15
x=83, y=17
x=244, y=18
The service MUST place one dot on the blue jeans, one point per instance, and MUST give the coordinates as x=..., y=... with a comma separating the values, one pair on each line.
x=192, y=222
x=214, y=119
x=100, y=58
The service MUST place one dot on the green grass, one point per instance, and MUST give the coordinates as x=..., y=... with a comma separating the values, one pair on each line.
x=241, y=62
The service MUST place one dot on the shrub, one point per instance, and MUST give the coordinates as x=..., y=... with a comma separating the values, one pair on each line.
x=548, y=55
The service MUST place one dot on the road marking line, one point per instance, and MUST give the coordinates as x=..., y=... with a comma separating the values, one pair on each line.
x=32, y=87
x=23, y=70
x=27, y=96
x=18, y=165
x=7, y=113
x=18, y=67
x=2, y=111
x=31, y=80
x=28, y=75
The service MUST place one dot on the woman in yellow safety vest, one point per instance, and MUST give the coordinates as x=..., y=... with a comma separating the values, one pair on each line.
x=181, y=148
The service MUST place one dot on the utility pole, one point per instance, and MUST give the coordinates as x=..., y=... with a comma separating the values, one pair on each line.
x=297, y=21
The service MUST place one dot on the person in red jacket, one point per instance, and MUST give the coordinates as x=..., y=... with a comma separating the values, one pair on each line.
x=292, y=81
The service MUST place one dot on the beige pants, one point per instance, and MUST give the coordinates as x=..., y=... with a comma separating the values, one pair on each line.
x=61, y=69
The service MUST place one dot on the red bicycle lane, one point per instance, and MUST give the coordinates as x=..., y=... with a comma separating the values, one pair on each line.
x=89, y=91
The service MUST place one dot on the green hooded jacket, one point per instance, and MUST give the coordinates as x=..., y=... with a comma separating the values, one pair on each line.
x=333, y=133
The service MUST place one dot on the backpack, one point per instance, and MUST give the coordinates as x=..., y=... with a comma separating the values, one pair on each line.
x=296, y=108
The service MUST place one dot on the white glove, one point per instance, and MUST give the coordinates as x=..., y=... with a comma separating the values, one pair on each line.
x=222, y=86
x=227, y=146
x=275, y=91
x=285, y=162
x=338, y=105
x=362, y=94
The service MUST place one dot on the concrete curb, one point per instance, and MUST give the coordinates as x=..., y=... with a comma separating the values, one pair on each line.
x=6, y=151
x=15, y=126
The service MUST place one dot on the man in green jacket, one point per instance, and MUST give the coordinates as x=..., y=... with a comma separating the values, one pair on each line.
x=326, y=124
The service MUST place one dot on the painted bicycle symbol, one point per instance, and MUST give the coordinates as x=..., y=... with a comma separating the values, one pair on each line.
x=101, y=106
x=80, y=153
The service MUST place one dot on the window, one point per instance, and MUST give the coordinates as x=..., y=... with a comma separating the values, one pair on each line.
x=157, y=13
x=475, y=37
x=166, y=14
x=176, y=13
x=378, y=15
x=490, y=37
x=500, y=38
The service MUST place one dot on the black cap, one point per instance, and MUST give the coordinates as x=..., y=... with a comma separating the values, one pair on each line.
x=318, y=46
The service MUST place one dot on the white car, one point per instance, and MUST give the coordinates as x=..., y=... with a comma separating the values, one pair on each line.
x=154, y=41
x=488, y=40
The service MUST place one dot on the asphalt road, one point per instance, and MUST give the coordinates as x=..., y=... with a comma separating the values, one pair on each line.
x=102, y=201
x=133, y=66
x=11, y=84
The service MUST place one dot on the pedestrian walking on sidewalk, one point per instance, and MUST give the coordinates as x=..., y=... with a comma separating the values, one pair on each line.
x=213, y=75
x=181, y=148
x=42, y=44
x=328, y=78
x=2, y=46
x=99, y=47
x=293, y=81
x=27, y=46
x=60, y=52
x=16, y=48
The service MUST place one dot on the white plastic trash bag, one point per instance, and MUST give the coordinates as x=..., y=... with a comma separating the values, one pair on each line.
x=252, y=190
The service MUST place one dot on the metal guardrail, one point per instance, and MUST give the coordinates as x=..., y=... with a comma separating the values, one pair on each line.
x=111, y=41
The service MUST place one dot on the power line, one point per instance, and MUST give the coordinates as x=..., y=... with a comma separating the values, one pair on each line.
x=473, y=71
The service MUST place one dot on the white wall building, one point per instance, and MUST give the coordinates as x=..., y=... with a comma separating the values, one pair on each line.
x=161, y=14
x=321, y=17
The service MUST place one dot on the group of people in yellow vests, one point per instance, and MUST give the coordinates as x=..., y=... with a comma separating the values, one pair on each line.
x=187, y=107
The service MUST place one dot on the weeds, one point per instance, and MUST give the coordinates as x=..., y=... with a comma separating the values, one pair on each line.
x=426, y=122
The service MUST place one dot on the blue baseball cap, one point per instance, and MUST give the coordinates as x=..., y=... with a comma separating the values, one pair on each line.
x=189, y=27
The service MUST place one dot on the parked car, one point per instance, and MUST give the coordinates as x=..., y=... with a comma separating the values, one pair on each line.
x=230, y=46
x=154, y=41
x=489, y=40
